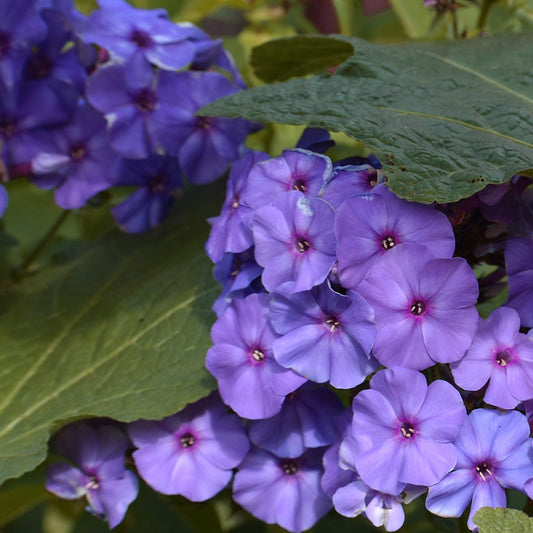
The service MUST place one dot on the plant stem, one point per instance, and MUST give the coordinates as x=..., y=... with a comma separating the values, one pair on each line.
x=484, y=11
x=44, y=242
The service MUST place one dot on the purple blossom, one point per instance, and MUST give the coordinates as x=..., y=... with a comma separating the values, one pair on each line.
x=403, y=431
x=368, y=226
x=284, y=491
x=424, y=307
x=519, y=264
x=501, y=354
x=4, y=199
x=295, y=170
x=305, y=421
x=315, y=140
x=99, y=474
x=231, y=231
x=158, y=179
x=77, y=160
x=191, y=453
x=294, y=242
x=249, y=379
x=325, y=336
x=493, y=453
x=127, y=32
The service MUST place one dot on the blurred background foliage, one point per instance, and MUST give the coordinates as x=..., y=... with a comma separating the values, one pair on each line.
x=242, y=24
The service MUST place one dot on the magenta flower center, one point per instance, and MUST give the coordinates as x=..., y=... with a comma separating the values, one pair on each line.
x=407, y=430
x=203, y=123
x=146, y=99
x=7, y=125
x=298, y=184
x=77, y=152
x=503, y=358
x=301, y=245
x=484, y=470
x=289, y=467
x=258, y=355
x=158, y=183
x=187, y=440
x=388, y=242
x=92, y=484
x=141, y=38
x=332, y=323
x=417, y=307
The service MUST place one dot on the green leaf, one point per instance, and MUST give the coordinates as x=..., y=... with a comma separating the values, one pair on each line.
x=501, y=520
x=416, y=18
x=282, y=59
x=121, y=331
x=20, y=499
x=446, y=119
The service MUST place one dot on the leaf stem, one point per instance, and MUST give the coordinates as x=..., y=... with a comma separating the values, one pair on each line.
x=484, y=11
x=44, y=242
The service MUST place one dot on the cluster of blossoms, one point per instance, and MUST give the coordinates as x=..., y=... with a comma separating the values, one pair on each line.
x=89, y=103
x=328, y=278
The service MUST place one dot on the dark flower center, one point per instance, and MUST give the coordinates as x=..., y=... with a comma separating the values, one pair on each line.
x=298, y=184
x=187, y=440
x=77, y=152
x=7, y=125
x=203, y=123
x=373, y=178
x=141, y=38
x=157, y=183
x=92, y=484
x=301, y=245
x=388, y=242
x=258, y=354
x=417, y=307
x=146, y=99
x=332, y=323
x=289, y=467
x=5, y=44
x=484, y=470
x=235, y=203
x=503, y=358
x=38, y=67
x=407, y=430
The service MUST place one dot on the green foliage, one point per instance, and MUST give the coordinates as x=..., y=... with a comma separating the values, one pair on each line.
x=282, y=59
x=445, y=118
x=501, y=520
x=121, y=331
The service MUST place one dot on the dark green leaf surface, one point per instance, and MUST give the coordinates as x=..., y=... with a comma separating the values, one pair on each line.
x=502, y=520
x=446, y=119
x=282, y=59
x=121, y=331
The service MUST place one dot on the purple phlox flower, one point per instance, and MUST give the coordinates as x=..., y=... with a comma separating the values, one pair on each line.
x=239, y=276
x=127, y=32
x=502, y=203
x=381, y=509
x=403, y=431
x=294, y=170
x=315, y=140
x=336, y=476
x=50, y=63
x=284, y=491
x=231, y=230
x=305, y=421
x=493, y=453
x=325, y=336
x=99, y=474
x=249, y=379
x=368, y=226
x=27, y=111
x=20, y=28
x=205, y=145
x=519, y=264
x=191, y=453
x=424, y=307
x=77, y=161
x=501, y=354
x=347, y=181
x=140, y=107
x=4, y=199
x=294, y=242
x=159, y=180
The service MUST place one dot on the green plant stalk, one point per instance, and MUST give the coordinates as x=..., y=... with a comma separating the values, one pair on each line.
x=486, y=6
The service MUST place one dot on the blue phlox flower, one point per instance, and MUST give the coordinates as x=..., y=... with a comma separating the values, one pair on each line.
x=519, y=265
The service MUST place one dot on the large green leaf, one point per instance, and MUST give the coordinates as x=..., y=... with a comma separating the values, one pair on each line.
x=502, y=520
x=446, y=119
x=121, y=331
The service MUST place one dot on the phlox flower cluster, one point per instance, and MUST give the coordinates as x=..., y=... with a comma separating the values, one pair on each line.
x=331, y=283
x=109, y=100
